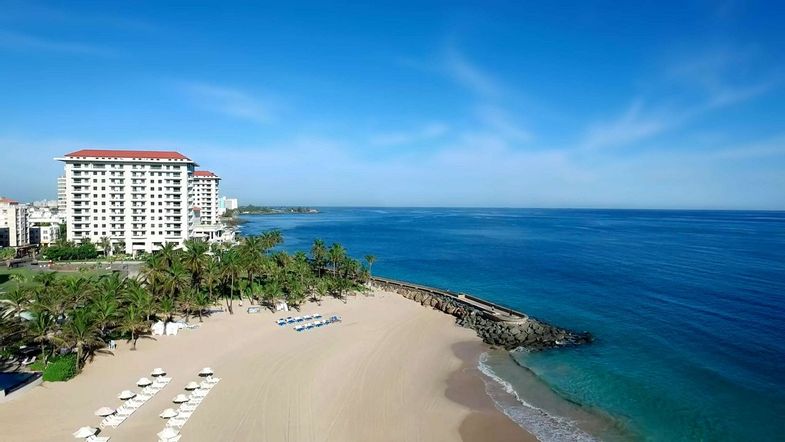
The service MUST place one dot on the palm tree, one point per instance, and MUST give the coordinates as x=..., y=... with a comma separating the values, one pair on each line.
x=76, y=290
x=271, y=239
x=186, y=301
x=105, y=310
x=178, y=279
x=20, y=278
x=167, y=306
x=201, y=302
x=337, y=255
x=105, y=244
x=138, y=297
x=195, y=258
x=40, y=329
x=322, y=289
x=251, y=253
x=133, y=323
x=211, y=276
x=154, y=273
x=118, y=248
x=83, y=334
x=16, y=301
x=230, y=268
x=46, y=279
x=319, y=255
x=370, y=259
x=169, y=253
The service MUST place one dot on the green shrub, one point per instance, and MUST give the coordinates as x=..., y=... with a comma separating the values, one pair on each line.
x=38, y=365
x=60, y=368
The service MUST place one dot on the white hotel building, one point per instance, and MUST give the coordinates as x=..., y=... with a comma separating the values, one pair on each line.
x=142, y=199
x=206, y=196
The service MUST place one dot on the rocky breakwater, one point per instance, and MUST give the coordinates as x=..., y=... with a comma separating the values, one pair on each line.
x=496, y=325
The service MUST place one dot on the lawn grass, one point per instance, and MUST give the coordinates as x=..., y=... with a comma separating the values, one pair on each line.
x=6, y=283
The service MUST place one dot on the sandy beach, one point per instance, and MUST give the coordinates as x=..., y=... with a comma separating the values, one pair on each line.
x=391, y=371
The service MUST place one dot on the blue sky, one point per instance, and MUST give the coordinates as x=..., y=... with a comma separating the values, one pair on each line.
x=580, y=104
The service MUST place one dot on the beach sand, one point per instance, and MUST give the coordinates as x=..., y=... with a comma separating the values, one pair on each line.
x=391, y=371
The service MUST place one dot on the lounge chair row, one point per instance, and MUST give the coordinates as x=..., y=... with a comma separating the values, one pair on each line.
x=186, y=409
x=315, y=324
x=293, y=320
x=131, y=405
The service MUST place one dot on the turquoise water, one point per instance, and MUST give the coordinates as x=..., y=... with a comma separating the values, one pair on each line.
x=688, y=308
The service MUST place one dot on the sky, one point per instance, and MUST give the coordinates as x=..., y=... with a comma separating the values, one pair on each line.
x=459, y=104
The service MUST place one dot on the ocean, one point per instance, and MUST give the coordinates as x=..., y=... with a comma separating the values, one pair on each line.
x=687, y=307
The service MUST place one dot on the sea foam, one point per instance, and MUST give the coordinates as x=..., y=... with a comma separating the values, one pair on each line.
x=543, y=425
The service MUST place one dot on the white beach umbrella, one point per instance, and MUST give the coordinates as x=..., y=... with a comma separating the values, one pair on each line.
x=192, y=386
x=143, y=382
x=104, y=411
x=168, y=413
x=206, y=371
x=126, y=394
x=158, y=372
x=84, y=432
x=168, y=433
x=180, y=398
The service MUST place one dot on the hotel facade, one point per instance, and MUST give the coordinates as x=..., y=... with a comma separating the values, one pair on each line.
x=139, y=199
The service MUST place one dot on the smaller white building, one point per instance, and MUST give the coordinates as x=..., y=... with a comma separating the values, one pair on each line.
x=205, y=185
x=13, y=224
x=44, y=223
x=225, y=204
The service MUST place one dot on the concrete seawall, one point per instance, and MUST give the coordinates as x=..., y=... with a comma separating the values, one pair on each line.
x=495, y=324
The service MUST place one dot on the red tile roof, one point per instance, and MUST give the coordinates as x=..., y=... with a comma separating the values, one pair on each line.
x=204, y=173
x=146, y=154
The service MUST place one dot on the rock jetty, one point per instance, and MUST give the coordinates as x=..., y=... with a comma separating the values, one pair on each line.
x=496, y=325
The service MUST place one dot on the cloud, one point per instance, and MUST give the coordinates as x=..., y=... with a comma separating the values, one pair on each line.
x=499, y=120
x=471, y=76
x=705, y=83
x=227, y=101
x=24, y=42
x=772, y=147
x=631, y=126
x=430, y=131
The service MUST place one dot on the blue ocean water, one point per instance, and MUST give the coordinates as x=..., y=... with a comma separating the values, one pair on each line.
x=688, y=307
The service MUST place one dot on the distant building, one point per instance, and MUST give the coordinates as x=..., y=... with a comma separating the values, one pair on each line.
x=225, y=204
x=141, y=199
x=206, y=196
x=13, y=224
x=44, y=223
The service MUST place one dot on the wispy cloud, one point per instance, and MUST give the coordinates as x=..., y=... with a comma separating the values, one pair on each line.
x=227, y=101
x=18, y=41
x=772, y=147
x=430, y=131
x=633, y=125
x=471, y=76
x=708, y=83
x=501, y=122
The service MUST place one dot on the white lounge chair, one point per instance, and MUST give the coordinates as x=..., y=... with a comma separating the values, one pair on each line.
x=176, y=422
